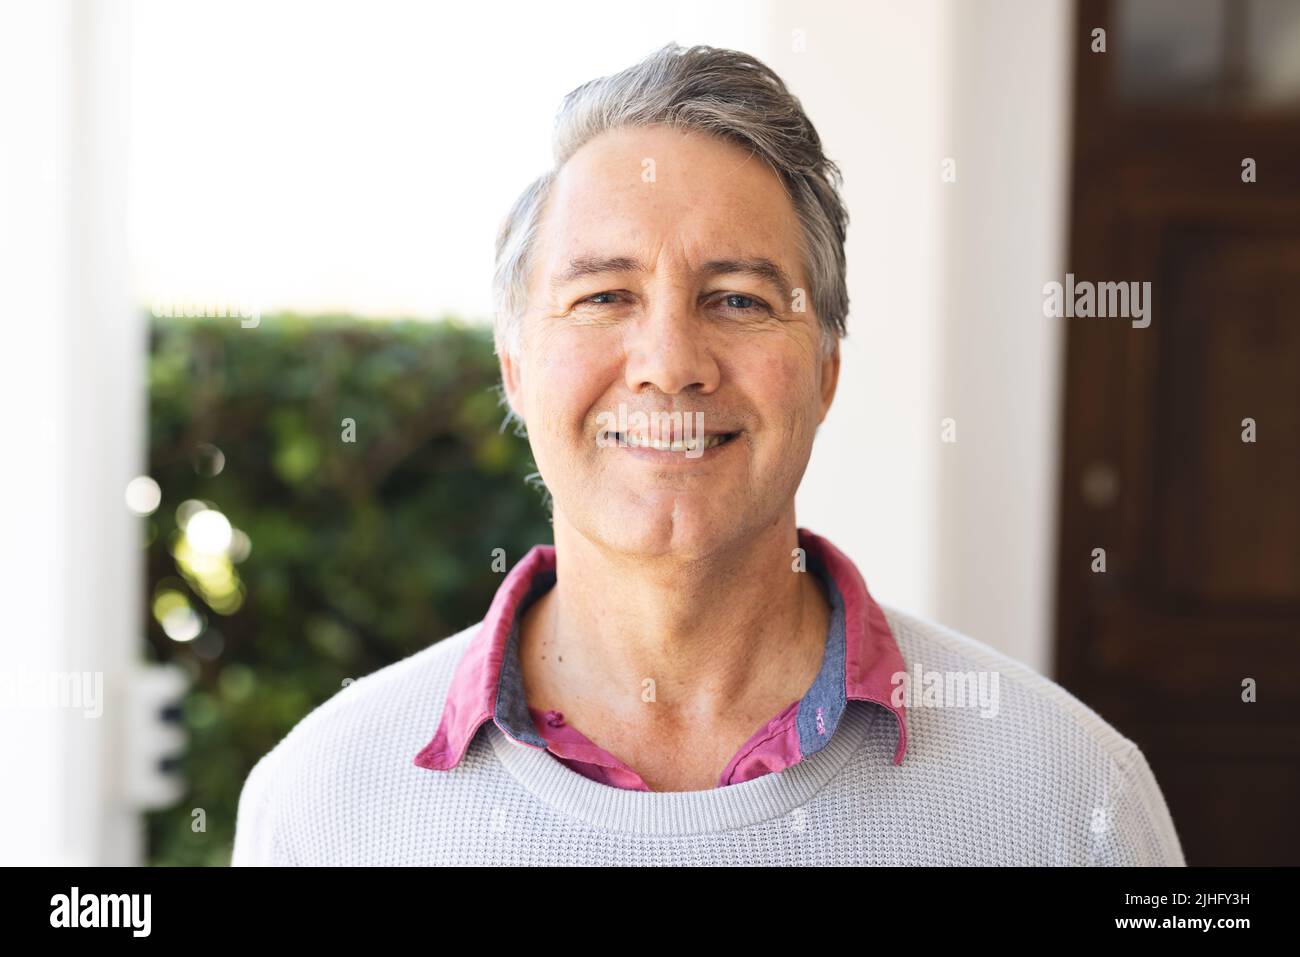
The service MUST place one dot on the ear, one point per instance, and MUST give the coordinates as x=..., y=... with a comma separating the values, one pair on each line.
x=512, y=382
x=830, y=377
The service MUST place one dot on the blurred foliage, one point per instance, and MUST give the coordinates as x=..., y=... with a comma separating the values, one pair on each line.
x=362, y=552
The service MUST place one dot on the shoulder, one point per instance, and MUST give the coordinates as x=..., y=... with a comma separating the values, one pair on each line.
x=980, y=714
x=932, y=649
x=350, y=746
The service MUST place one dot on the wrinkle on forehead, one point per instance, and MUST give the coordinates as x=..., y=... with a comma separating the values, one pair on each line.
x=710, y=199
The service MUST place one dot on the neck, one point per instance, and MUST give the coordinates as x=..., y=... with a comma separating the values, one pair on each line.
x=727, y=639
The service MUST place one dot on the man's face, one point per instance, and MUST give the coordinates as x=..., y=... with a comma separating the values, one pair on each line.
x=668, y=279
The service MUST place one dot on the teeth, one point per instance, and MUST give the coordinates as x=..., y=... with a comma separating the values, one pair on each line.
x=659, y=445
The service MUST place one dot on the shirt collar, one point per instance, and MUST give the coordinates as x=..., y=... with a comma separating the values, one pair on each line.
x=860, y=661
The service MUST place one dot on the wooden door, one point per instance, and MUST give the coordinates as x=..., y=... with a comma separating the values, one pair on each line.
x=1200, y=525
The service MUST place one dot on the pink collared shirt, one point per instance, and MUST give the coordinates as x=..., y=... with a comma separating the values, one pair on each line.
x=859, y=664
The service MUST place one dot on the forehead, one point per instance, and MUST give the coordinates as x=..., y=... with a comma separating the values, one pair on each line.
x=654, y=190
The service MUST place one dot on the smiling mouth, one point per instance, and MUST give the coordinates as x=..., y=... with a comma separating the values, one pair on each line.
x=700, y=444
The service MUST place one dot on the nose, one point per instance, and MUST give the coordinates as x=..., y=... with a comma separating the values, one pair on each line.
x=669, y=351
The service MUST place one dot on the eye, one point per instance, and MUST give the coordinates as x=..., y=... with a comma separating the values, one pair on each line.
x=599, y=299
x=742, y=303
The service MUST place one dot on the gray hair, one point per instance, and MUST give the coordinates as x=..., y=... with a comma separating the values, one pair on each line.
x=724, y=93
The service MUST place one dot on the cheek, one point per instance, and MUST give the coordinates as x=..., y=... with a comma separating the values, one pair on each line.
x=785, y=391
x=568, y=378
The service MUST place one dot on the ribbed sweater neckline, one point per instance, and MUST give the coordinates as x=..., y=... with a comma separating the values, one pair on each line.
x=681, y=813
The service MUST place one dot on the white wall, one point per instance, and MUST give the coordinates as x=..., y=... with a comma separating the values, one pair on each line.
x=72, y=391
x=945, y=282
x=874, y=80
x=1002, y=369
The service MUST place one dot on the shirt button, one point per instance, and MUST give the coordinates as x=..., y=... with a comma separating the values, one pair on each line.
x=554, y=718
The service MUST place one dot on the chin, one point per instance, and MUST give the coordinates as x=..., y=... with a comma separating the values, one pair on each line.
x=689, y=527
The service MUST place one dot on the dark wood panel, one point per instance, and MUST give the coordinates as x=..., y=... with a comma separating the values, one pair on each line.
x=1227, y=810
x=1201, y=531
x=1226, y=535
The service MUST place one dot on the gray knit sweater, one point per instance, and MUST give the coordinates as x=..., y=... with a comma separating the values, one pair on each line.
x=1043, y=781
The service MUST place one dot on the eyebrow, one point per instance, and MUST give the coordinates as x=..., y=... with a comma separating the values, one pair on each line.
x=756, y=267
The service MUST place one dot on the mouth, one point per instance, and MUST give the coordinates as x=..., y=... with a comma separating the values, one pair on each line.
x=697, y=445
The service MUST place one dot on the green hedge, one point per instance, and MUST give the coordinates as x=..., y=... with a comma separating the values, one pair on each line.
x=362, y=552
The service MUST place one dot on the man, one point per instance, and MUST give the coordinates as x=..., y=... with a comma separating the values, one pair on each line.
x=687, y=676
